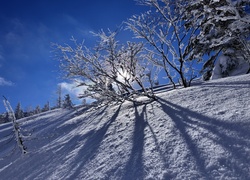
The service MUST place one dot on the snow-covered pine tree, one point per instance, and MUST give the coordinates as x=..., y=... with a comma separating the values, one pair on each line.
x=46, y=107
x=18, y=111
x=223, y=25
x=2, y=118
x=230, y=63
x=84, y=102
x=5, y=117
x=29, y=111
x=67, y=103
x=38, y=109
x=59, y=99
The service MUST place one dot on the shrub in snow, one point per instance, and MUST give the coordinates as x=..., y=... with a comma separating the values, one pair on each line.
x=109, y=71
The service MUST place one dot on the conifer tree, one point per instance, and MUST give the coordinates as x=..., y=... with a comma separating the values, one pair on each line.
x=19, y=112
x=67, y=103
x=59, y=100
x=37, y=110
x=46, y=107
x=224, y=27
x=7, y=117
x=29, y=111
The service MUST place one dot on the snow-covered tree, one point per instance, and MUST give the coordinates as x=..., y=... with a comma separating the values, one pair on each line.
x=7, y=117
x=3, y=118
x=29, y=111
x=38, y=109
x=169, y=46
x=226, y=65
x=18, y=111
x=224, y=27
x=46, y=107
x=109, y=71
x=16, y=127
x=84, y=102
x=67, y=103
x=59, y=99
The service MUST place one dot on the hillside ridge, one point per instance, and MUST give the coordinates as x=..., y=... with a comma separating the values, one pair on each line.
x=201, y=132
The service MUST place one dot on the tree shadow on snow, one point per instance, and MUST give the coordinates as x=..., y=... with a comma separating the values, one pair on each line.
x=69, y=155
x=232, y=137
x=233, y=85
x=91, y=145
x=134, y=167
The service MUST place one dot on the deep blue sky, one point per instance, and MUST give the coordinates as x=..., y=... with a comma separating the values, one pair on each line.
x=28, y=73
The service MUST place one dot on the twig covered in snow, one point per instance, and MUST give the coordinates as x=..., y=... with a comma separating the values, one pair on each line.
x=169, y=43
x=109, y=71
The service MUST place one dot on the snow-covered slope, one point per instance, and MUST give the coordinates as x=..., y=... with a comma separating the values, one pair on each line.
x=202, y=132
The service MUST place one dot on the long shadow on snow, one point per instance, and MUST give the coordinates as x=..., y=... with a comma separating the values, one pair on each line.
x=35, y=128
x=72, y=162
x=234, y=85
x=225, y=84
x=234, y=137
x=158, y=147
x=134, y=167
x=90, y=148
x=52, y=124
x=49, y=123
x=64, y=151
x=97, y=112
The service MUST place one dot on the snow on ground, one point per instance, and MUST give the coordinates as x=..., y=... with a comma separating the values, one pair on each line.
x=202, y=132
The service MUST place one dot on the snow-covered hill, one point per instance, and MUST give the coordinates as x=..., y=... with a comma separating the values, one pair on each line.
x=202, y=132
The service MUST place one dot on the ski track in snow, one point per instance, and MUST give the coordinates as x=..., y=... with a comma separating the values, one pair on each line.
x=202, y=132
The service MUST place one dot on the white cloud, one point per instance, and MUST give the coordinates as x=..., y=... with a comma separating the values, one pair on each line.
x=74, y=91
x=4, y=82
x=72, y=88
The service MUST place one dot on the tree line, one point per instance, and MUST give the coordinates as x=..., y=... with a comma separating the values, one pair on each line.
x=20, y=113
x=178, y=40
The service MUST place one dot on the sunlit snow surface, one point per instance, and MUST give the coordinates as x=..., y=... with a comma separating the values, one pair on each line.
x=202, y=132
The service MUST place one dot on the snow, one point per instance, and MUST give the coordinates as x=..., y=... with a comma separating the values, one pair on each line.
x=201, y=132
x=225, y=66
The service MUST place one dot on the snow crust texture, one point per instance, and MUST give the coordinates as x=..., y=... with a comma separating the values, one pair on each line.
x=201, y=132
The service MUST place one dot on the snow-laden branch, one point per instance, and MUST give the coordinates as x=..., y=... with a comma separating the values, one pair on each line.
x=167, y=39
x=110, y=71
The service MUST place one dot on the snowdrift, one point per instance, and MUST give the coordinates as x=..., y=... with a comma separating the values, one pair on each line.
x=201, y=132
